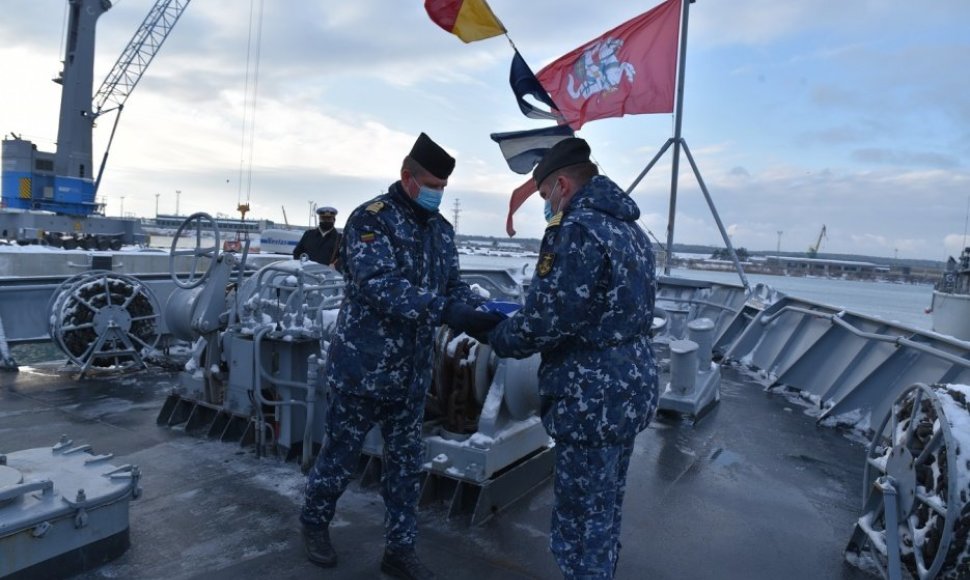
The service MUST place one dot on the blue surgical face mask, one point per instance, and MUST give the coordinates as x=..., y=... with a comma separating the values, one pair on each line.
x=547, y=210
x=428, y=198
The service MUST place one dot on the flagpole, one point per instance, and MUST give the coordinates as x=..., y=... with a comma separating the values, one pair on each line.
x=678, y=124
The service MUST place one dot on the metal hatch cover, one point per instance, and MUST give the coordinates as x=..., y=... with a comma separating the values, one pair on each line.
x=61, y=505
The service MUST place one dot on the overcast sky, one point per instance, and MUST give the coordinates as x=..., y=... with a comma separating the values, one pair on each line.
x=852, y=114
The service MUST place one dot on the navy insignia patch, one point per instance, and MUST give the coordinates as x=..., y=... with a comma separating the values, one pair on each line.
x=544, y=266
x=375, y=207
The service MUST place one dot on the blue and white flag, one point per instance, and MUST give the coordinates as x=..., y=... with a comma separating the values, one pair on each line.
x=523, y=149
x=524, y=83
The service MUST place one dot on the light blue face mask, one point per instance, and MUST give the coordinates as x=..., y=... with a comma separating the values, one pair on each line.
x=428, y=198
x=547, y=210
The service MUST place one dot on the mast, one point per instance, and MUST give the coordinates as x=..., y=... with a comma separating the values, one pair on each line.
x=678, y=124
x=73, y=156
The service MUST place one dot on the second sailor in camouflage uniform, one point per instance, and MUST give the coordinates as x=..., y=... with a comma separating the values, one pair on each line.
x=401, y=268
x=588, y=312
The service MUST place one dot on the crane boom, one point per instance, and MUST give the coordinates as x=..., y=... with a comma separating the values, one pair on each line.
x=136, y=57
x=131, y=65
x=813, y=250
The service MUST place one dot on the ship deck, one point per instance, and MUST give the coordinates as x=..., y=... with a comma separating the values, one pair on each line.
x=753, y=490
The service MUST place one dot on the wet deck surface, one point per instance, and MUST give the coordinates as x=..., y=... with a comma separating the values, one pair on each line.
x=753, y=491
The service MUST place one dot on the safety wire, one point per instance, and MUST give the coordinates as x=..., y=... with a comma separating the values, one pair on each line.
x=247, y=144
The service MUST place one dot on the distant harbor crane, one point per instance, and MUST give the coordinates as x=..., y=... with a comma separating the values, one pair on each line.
x=813, y=250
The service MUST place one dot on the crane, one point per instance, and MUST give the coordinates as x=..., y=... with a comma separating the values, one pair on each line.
x=813, y=250
x=61, y=182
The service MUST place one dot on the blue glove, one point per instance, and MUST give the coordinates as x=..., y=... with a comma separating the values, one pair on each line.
x=482, y=337
x=464, y=318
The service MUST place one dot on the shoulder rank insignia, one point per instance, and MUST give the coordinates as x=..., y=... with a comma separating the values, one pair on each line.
x=555, y=221
x=544, y=266
x=375, y=207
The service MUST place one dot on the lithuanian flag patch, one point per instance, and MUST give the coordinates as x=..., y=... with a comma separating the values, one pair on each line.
x=368, y=237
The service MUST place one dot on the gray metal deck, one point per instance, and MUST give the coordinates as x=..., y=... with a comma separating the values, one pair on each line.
x=754, y=490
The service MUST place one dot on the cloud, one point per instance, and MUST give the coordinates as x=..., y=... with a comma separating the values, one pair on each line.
x=872, y=212
x=863, y=130
x=906, y=158
x=857, y=122
x=764, y=22
x=954, y=243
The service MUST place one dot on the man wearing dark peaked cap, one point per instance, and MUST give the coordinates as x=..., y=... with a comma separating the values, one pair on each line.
x=401, y=268
x=588, y=313
x=321, y=243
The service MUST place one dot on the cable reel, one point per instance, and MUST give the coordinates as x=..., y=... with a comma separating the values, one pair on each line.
x=916, y=493
x=464, y=372
x=104, y=319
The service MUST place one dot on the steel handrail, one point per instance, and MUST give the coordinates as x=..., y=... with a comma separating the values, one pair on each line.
x=725, y=307
x=889, y=338
x=296, y=293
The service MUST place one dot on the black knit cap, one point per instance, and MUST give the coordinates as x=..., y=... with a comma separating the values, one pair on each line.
x=569, y=151
x=432, y=157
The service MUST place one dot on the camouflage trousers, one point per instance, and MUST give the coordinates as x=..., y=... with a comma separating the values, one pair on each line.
x=586, y=515
x=349, y=419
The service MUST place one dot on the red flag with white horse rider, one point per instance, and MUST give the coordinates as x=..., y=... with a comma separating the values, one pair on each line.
x=629, y=70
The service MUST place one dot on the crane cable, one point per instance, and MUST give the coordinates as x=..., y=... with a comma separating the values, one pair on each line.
x=247, y=144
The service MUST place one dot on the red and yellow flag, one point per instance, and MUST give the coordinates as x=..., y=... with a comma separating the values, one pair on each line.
x=469, y=20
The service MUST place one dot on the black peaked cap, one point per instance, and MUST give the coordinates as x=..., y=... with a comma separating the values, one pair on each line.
x=569, y=151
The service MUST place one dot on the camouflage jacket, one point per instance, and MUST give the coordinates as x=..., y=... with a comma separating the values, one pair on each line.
x=401, y=267
x=589, y=312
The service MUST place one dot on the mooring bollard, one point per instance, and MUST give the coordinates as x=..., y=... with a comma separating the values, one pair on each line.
x=701, y=331
x=683, y=366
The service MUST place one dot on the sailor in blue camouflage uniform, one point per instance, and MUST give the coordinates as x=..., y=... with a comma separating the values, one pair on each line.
x=588, y=312
x=401, y=268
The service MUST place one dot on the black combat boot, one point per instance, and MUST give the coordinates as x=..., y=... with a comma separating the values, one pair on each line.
x=318, y=547
x=405, y=564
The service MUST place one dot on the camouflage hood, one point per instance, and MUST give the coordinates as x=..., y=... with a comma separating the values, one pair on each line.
x=602, y=195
